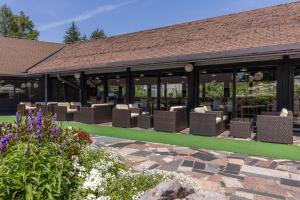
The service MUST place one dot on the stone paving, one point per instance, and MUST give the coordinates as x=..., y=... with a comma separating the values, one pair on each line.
x=238, y=177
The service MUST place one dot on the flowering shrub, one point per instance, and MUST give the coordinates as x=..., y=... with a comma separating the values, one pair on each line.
x=105, y=177
x=35, y=159
x=41, y=160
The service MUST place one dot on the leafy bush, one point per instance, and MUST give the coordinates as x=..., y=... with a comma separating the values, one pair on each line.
x=35, y=158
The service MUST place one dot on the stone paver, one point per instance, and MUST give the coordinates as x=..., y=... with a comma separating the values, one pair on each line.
x=234, y=175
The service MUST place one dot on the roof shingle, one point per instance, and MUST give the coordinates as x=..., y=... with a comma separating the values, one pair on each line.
x=277, y=25
x=17, y=55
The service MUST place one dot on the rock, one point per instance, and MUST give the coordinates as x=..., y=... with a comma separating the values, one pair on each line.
x=174, y=190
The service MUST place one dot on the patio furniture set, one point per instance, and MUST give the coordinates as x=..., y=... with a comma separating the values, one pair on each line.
x=275, y=127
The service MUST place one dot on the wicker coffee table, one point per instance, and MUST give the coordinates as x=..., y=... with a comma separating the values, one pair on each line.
x=240, y=128
x=145, y=121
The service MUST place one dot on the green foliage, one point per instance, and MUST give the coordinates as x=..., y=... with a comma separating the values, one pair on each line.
x=72, y=34
x=97, y=34
x=214, y=90
x=12, y=25
x=140, y=91
x=42, y=173
x=35, y=163
x=118, y=182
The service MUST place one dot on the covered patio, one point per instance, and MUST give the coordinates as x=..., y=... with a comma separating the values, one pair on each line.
x=237, y=72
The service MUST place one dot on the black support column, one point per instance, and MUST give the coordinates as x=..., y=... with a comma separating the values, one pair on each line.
x=234, y=73
x=158, y=91
x=285, y=85
x=46, y=87
x=193, y=89
x=129, y=86
x=105, y=88
x=83, y=88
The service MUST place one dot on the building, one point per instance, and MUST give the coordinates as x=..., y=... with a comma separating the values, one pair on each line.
x=248, y=61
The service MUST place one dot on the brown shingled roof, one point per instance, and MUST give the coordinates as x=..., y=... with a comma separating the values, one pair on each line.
x=17, y=55
x=277, y=25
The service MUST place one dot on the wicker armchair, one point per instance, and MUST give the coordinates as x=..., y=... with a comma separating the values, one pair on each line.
x=96, y=114
x=209, y=123
x=64, y=112
x=125, y=117
x=273, y=128
x=170, y=121
x=42, y=106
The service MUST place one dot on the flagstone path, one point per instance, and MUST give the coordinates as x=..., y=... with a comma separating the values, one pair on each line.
x=238, y=177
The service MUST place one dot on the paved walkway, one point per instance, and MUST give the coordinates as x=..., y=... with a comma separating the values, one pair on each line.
x=238, y=177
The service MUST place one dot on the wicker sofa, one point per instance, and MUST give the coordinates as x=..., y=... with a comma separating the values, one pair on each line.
x=206, y=122
x=174, y=120
x=125, y=117
x=24, y=107
x=96, y=114
x=64, y=111
x=271, y=127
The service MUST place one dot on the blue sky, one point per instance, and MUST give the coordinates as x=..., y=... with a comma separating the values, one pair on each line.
x=53, y=17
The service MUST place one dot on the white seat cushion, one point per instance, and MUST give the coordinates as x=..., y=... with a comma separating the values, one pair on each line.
x=173, y=108
x=75, y=104
x=69, y=110
x=207, y=108
x=134, y=114
x=99, y=104
x=30, y=107
x=122, y=106
x=199, y=110
x=26, y=103
x=51, y=103
x=218, y=120
x=134, y=105
x=284, y=112
x=65, y=104
x=40, y=103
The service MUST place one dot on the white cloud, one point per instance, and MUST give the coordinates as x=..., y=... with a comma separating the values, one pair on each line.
x=84, y=16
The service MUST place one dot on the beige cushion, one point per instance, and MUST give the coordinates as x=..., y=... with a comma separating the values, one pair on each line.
x=225, y=117
x=173, y=108
x=218, y=120
x=30, y=107
x=199, y=110
x=51, y=103
x=284, y=112
x=40, y=103
x=134, y=114
x=75, y=104
x=26, y=103
x=69, y=110
x=122, y=106
x=65, y=104
x=135, y=105
x=99, y=104
x=207, y=108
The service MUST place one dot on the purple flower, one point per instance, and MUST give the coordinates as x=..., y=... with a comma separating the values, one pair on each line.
x=30, y=114
x=57, y=133
x=38, y=122
x=53, y=120
x=18, y=119
x=29, y=125
x=4, y=141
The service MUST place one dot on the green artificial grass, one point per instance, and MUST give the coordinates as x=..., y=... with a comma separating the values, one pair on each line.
x=254, y=148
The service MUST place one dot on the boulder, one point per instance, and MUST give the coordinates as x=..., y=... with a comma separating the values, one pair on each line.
x=174, y=190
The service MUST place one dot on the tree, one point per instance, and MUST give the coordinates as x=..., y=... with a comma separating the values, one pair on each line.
x=97, y=34
x=84, y=38
x=72, y=34
x=16, y=25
